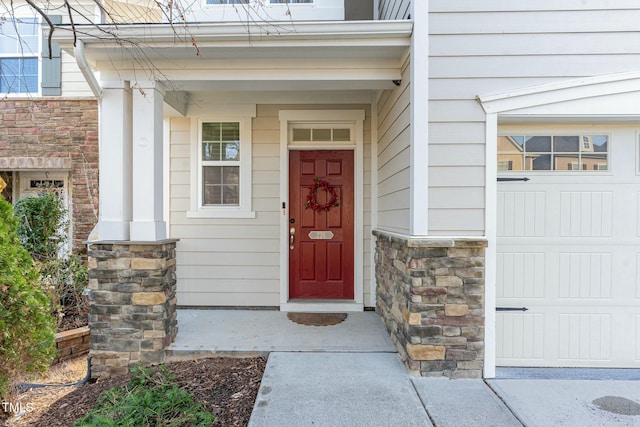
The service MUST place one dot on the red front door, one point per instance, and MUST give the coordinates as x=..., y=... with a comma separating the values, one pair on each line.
x=321, y=241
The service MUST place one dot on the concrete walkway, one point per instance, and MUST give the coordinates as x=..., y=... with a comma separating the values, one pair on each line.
x=368, y=390
x=350, y=375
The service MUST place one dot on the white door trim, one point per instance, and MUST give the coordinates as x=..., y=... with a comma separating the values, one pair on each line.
x=490, y=254
x=355, y=117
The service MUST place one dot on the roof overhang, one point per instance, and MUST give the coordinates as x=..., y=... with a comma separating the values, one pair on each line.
x=612, y=97
x=236, y=56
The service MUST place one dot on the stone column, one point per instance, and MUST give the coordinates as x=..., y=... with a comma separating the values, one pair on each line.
x=430, y=295
x=132, y=314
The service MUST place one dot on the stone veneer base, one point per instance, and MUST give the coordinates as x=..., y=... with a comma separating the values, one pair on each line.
x=430, y=295
x=132, y=314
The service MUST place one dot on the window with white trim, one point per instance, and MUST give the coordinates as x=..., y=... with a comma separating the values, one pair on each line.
x=19, y=51
x=220, y=163
x=567, y=152
x=222, y=168
x=270, y=1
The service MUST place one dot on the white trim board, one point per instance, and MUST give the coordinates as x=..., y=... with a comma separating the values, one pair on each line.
x=355, y=117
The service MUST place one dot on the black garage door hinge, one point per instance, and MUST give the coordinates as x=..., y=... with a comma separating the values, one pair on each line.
x=512, y=309
x=512, y=179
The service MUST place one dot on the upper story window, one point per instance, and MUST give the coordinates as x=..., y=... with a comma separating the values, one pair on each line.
x=269, y=1
x=265, y=11
x=19, y=51
x=575, y=152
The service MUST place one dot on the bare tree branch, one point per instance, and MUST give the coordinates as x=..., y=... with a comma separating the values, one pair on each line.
x=46, y=18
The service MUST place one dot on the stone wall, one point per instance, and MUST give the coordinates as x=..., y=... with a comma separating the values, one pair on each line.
x=72, y=344
x=430, y=295
x=54, y=134
x=132, y=296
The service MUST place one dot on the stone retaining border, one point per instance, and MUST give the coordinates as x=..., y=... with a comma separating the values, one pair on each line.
x=71, y=344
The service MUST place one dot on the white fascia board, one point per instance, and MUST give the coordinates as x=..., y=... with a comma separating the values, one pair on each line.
x=560, y=92
x=170, y=35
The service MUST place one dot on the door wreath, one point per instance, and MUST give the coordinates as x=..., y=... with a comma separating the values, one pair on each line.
x=312, y=197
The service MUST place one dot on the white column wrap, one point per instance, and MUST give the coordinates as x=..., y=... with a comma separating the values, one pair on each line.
x=147, y=150
x=115, y=162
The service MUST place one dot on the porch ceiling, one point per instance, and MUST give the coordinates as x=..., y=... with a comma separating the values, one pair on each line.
x=341, y=55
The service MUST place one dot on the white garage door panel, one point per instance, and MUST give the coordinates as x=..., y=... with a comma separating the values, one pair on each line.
x=569, y=251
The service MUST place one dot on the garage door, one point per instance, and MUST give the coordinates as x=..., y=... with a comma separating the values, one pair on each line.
x=568, y=250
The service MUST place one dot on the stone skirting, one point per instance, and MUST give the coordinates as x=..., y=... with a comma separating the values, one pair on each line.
x=132, y=313
x=71, y=344
x=430, y=295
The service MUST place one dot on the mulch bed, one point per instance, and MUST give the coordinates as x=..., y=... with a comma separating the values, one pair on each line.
x=226, y=386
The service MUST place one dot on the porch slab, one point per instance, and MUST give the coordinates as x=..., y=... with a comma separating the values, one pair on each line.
x=205, y=332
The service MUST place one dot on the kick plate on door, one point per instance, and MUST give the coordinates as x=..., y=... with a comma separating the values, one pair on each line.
x=321, y=235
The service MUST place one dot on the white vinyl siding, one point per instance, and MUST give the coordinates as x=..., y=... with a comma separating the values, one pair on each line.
x=73, y=83
x=235, y=261
x=495, y=46
x=394, y=157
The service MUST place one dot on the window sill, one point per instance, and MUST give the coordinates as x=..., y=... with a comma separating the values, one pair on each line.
x=221, y=214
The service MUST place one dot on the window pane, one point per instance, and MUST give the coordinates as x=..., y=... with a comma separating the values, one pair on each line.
x=538, y=144
x=19, y=75
x=230, y=131
x=211, y=131
x=566, y=162
x=290, y=1
x=221, y=185
x=342, y=134
x=212, y=195
x=508, y=144
x=231, y=175
x=595, y=162
x=566, y=144
x=322, y=134
x=538, y=162
x=302, y=134
x=599, y=143
x=19, y=37
x=226, y=1
x=510, y=162
x=211, y=151
x=231, y=151
x=212, y=175
x=230, y=195
x=221, y=141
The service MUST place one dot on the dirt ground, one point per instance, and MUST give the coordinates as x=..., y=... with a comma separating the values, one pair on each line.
x=226, y=386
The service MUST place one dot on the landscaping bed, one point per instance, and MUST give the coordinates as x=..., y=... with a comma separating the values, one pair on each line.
x=227, y=387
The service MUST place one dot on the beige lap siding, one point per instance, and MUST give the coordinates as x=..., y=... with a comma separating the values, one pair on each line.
x=232, y=261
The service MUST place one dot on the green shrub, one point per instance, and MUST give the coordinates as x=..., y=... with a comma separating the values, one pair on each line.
x=27, y=333
x=64, y=280
x=149, y=399
x=41, y=227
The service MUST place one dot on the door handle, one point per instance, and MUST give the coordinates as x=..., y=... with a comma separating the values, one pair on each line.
x=292, y=232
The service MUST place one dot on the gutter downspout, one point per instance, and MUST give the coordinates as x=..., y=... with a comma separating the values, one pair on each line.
x=81, y=60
